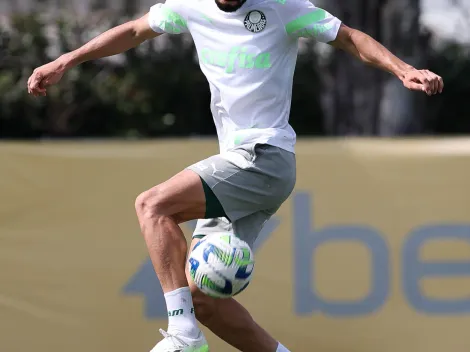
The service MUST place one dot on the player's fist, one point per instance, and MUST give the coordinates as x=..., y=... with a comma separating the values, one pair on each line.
x=424, y=81
x=45, y=76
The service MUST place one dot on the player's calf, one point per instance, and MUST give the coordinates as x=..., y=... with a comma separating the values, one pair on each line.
x=165, y=242
x=159, y=211
x=230, y=321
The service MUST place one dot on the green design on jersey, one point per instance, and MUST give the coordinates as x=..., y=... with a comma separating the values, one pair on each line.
x=172, y=22
x=307, y=25
x=236, y=57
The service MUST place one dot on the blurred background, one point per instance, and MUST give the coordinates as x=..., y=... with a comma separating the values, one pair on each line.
x=139, y=94
x=374, y=241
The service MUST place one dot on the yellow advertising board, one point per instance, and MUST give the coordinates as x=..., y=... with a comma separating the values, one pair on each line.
x=370, y=253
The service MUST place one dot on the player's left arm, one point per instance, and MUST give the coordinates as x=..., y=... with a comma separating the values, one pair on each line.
x=371, y=52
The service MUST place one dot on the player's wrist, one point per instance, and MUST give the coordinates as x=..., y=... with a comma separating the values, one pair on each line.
x=402, y=71
x=67, y=61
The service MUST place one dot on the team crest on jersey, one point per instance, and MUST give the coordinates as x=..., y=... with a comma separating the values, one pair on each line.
x=255, y=21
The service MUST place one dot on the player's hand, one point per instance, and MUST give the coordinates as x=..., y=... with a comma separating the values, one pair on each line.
x=424, y=81
x=45, y=76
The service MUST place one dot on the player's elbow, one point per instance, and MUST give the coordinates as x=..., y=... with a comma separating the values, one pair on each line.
x=354, y=42
x=136, y=30
x=140, y=29
x=345, y=39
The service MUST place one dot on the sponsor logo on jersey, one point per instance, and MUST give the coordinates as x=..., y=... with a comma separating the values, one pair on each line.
x=236, y=57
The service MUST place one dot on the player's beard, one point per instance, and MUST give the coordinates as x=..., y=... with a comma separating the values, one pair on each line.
x=230, y=5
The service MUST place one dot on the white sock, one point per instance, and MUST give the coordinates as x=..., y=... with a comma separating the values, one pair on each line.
x=281, y=348
x=181, y=317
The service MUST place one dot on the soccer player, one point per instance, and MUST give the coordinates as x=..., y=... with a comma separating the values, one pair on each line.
x=247, y=49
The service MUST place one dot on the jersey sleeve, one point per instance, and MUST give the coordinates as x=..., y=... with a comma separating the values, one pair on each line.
x=303, y=19
x=169, y=17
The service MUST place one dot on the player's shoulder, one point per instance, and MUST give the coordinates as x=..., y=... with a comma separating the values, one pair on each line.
x=169, y=16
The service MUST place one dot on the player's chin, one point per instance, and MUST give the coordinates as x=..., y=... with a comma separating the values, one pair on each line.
x=229, y=5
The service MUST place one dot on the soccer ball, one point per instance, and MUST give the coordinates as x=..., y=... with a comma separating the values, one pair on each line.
x=221, y=265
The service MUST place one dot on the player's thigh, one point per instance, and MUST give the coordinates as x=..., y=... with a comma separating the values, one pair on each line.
x=250, y=227
x=182, y=197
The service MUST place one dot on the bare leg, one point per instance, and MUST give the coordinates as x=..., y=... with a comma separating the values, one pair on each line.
x=160, y=210
x=230, y=321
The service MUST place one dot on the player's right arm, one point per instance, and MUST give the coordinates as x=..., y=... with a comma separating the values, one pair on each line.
x=162, y=18
x=114, y=41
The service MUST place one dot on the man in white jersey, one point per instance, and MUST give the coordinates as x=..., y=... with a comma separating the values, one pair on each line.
x=247, y=49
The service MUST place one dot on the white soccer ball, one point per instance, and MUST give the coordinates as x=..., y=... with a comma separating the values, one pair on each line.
x=221, y=265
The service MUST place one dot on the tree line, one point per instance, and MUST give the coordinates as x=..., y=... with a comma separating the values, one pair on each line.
x=158, y=89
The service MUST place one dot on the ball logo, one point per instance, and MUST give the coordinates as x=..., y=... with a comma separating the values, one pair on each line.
x=255, y=21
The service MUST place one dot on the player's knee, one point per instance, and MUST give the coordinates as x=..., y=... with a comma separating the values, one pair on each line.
x=150, y=204
x=142, y=203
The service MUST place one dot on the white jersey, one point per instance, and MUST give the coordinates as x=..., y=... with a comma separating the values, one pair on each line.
x=248, y=57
